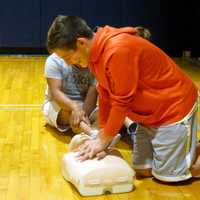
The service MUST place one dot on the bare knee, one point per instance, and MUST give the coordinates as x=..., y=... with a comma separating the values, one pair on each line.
x=63, y=117
x=143, y=172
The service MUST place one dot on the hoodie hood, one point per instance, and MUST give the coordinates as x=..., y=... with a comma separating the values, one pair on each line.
x=103, y=35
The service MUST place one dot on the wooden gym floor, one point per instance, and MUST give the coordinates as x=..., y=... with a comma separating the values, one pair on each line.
x=30, y=152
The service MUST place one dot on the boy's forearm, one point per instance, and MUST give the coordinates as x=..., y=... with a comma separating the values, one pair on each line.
x=55, y=87
x=64, y=101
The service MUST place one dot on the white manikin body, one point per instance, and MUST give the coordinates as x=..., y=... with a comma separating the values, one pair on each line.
x=95, y=177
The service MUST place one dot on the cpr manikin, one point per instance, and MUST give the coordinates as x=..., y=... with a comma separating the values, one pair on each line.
x=95, y=177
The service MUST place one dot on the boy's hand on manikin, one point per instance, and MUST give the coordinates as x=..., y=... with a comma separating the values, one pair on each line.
x=94, y=148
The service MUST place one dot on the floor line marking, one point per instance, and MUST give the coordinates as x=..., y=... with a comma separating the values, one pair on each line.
x=25, y=108
x=20, y=105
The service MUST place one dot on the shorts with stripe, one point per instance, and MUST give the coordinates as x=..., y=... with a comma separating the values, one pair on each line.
x=168, y=150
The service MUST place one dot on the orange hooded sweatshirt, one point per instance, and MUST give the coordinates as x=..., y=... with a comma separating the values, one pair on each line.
x=138, y=80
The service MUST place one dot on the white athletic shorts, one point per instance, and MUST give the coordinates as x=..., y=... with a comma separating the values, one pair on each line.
x=51, y=110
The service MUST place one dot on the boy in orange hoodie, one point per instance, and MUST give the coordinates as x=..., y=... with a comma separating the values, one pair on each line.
x=138, y=80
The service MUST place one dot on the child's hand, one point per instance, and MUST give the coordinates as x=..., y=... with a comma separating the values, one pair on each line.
x=86, y=120
x=77, y=115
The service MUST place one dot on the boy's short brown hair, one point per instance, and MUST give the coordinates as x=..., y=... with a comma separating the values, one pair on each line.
x=65, y=30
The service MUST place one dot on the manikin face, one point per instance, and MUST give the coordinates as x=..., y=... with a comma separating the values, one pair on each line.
x=78, y=56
